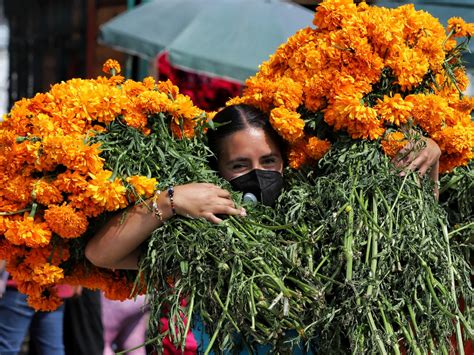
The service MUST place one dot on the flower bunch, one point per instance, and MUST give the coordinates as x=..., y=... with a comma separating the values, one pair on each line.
x=56, y=184
x=368, y=71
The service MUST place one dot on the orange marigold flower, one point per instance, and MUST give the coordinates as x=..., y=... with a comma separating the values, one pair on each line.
x=287, y=123
x=317, y=148
x=168, y=88
x=409, y=66
x=47, y=301
x=447, y=162
x=464, y=105
x=150, y=83
x=44, y=125
x=47, y=274
x=183, y=107
x=65, y=221
x=111, y=66
x=460, y=28
x=133, y=88
x=28, y=231
x=48, y=254
x=331, y=14
x=393, y=142
x=85, y=204
x=150, y=102
x=29, y=287
x=348, y=113
x=430, y=112
x=18, y=189
x=9, y=252
x=71, y=182
x=73, y=153
x=394, y=110
x=297, y=156
x=289, y=94
x=143, y=185
x=457, y=139
x=45, y=193
x=107, y=193
x=135, y=118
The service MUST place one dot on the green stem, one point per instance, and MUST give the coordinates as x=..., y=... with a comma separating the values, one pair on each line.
x=224, y=314
x=34, y=206
x=15, y=212
x=459, y=339
x=375, y=332
x=188, y=324
x=348, y=244
x=469, y=225
x=373, y=262
x=389, y=330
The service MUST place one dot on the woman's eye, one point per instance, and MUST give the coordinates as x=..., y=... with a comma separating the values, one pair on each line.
x=238, y=166
x=269, y=161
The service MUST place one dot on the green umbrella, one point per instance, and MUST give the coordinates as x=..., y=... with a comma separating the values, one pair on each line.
x=227, y=38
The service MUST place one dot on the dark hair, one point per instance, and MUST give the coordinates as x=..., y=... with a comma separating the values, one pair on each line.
x=235, y=118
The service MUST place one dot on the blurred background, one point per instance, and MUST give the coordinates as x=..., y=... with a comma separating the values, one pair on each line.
x=46, y=41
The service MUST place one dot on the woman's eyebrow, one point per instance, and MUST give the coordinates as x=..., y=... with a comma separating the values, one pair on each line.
x=271, y=155
x=238, y=160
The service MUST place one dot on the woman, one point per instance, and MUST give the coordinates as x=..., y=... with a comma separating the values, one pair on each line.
x=248, y=154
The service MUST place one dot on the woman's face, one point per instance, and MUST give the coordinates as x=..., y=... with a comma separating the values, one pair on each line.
x=247, y=150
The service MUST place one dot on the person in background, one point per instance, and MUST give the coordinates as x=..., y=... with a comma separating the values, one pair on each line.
x=125, y=324
x=17, y=318
x=83, y=330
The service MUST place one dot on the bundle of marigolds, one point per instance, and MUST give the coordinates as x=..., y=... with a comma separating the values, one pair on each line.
x=56, y=185
x=352, y=258
x=372, y=79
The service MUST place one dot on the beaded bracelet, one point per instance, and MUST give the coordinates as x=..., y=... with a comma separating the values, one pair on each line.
x=171, y=197
x=156, y=209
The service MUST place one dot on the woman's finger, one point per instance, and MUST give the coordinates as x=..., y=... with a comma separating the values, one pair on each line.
x=212, y=218
x=416, y=163
x=221, y=209
x=223, y=193
x=404, y=159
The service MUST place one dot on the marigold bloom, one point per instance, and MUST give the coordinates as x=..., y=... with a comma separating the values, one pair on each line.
x=143, y=185
x=287, y=123
x=331, y=14
x=111, y=66
x=28, y=231
x=168, y=88
x=65, y=221
x=84, y=202
x=45, y=193
x=289, y=94
x=393, y=142
x=46, y=301
x=460, y=28
x=297, y=156
x=317, y=148
x=71, y=182
x=110, y=194
x=47, y=274
x=394, y=110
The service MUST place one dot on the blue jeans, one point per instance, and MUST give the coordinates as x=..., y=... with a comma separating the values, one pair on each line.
x=16, y=318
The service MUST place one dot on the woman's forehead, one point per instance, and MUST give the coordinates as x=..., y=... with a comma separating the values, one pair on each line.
x=249, y=142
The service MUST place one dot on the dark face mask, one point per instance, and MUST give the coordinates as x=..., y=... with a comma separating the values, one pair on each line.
x=265, y=185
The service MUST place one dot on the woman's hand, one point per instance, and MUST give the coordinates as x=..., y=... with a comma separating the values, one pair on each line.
x=204, y=200
x=427, y=158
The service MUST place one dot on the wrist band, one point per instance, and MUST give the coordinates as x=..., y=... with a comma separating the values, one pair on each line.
x=171, y=197
x=156, y=209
